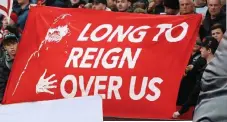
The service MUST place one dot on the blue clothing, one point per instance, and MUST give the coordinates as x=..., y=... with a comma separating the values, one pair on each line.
x=33, y=1
x=22, y=15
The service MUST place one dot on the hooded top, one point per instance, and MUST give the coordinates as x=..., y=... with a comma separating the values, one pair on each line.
x=212, y=103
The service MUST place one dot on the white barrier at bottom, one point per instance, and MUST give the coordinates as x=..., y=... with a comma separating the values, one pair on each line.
x=81, y=109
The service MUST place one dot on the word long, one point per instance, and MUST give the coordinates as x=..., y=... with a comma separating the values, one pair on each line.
x=132, y=33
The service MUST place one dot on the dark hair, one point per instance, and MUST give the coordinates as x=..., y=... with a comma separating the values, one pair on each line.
x=9, y=39
x=13, y=29
x=8, y=42
x=1, y=17
x=57, y=3
x=81, y=2
x=216, y=26
x=210, y=42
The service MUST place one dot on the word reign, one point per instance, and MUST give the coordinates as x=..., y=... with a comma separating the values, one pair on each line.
x=93, y=57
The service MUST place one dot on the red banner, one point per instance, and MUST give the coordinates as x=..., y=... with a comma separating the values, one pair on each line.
x=134, y=61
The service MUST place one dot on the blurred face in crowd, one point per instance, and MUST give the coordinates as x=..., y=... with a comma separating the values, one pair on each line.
x=186, y=7
x=5, y=32
x=74, y=1
x=11, y=48
x=98, y=6
x=200, y=2
x=20, y=2
x=223, y=2
x=111, y=3
x=196, y=48
x=123, y=5
x=157, y=2
x=217, y=34
x=6, y=23
x=205, y=52
x=214, y=7
x=170, y=11
x=140, y=5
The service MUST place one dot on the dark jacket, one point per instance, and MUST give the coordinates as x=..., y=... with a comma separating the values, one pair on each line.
x=4, y=74
x=193, y=97
x=1, y=52
x=212, y=99
x=159, y=9
x=188, y=82
x=33, y=1
x=223, y=8
x=208, y=23
x=57, y=3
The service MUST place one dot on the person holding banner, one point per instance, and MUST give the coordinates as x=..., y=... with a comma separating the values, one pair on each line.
x=192, y=72
x=209, y=46
x=10, y=43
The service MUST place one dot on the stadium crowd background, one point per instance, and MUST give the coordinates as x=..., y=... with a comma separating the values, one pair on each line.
x=212, y=29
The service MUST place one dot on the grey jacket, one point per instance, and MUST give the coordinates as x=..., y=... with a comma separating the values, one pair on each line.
x=212, y=102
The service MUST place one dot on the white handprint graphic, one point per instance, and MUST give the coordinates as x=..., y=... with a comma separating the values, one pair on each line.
x=44, y=84
x=54, y=34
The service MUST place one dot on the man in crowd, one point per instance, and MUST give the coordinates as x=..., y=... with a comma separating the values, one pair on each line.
x=140, y=4
x=156, y=7
x=214, y=15
x=186, y=7
x=76, y=4
x=196, y=63
x=112, y=5
x=208, y=48
x=10, y=43
x=217, y=31
x=100, y=5
x=124, y=5
x=171, y=7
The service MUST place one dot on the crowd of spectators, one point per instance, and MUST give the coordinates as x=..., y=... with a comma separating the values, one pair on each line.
x=211, y=31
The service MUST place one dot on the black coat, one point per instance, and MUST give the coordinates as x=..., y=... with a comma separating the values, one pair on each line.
x=205, y=30
x=188, y=82
x=4, y=75
x=193, y=97
x=57, y=3
x=159, y=9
